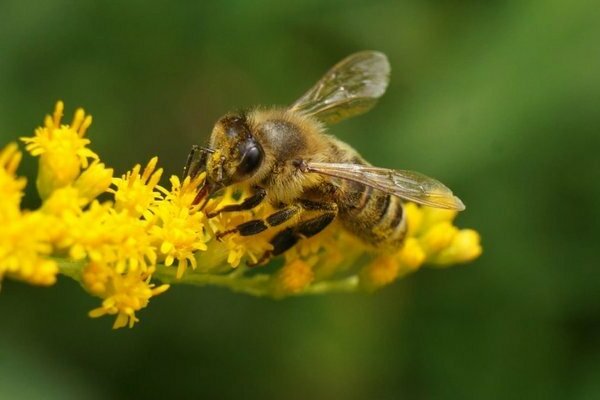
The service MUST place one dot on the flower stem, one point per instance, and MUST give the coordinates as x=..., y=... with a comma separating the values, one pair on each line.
x=70, y=268
x=344, y=285
x=257, y=285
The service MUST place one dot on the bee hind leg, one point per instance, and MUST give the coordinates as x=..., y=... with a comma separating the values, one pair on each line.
x=258, y=225
x=287, y=238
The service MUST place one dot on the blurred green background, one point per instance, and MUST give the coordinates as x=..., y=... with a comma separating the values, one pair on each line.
x=498, y=99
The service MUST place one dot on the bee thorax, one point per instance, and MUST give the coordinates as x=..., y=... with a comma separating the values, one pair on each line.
x=283, y=137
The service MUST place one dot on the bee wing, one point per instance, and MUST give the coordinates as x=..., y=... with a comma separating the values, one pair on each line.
x=407, y=185
x=349, y=88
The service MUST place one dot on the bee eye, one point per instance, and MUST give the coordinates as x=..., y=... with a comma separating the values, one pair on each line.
x=252, y=156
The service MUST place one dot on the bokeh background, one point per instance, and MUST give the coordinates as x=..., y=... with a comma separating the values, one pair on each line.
x=499, y=99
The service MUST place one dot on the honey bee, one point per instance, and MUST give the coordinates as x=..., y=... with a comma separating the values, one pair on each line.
x=287, y=159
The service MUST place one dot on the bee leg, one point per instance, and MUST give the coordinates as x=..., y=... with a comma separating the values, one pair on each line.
x=258, y=225
x=195, y=162
x=288, y=237
x=248, y=204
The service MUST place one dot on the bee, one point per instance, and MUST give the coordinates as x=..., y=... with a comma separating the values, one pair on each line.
x=287, y=159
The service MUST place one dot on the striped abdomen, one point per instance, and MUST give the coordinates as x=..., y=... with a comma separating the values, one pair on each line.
x=372, y=215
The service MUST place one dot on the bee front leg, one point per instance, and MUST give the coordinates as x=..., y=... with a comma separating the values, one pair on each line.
x=196, y=161
x=248, y=204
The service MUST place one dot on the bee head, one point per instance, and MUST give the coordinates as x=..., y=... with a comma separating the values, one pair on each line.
x=238, y=155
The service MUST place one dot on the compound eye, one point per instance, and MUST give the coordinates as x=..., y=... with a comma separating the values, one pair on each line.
x=251, y=158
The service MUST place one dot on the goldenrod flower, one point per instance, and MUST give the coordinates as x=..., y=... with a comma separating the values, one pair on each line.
x=94, y=181
x=62, y=150
x=25, y=248
x=135, y=193
x=465, y=247
x=239, y=247
x=182, y=194
x=439, y=237
x=11, y=187
x=412, y=254
x=432, y=239
x=293, y=278
x=24, y=245
x=178, y=228
x=123, y=294
x=142, y=233
x=380, y=272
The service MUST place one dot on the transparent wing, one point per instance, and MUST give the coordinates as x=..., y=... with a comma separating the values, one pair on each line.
x=407, y=185
x=349, y=88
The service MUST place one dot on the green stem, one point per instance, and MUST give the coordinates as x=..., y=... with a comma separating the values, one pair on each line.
x=343, y=285
x=256, y=285
x=70, y=268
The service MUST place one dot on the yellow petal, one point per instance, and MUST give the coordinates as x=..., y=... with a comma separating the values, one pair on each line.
x=412, y=254
x=97, y=312
x=380, y=272
x=438, y=237
x=466, y=246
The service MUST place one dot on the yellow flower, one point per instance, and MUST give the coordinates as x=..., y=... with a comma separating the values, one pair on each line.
x=23, y=249
x=431, y=238
x=67, y=203
x=103, y=234
x=438, y=237
x=62, y=201
x=438, y=240
x=93, y=181
x=180, y=233
x=414, y=218
x=136, y=193
x=62, y=150
x=23, y=235
x=11, y=187
x=182, y=194
x=465, y=247
x=334, y=252
x=432, y=216
x=97, y=279
x=327, y=239
x=386, y=268
x=178, y=226
x=123, y=294
x=245, y=247
x=412, y=255
x=239, y=247
x=380, y=272
x=293, y=278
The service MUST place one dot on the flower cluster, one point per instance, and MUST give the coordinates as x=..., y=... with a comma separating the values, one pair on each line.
x=125, y=239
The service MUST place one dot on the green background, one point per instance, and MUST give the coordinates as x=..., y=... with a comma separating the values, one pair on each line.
x=498, y=99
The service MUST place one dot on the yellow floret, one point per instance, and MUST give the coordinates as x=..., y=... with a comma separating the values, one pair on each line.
x=123, y=294
x=293, y=278
x=11, y=186
x=24, y=246
x=136, y=193
x=62, y=150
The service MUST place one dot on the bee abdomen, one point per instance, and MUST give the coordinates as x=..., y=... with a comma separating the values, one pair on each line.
x=374, y=216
